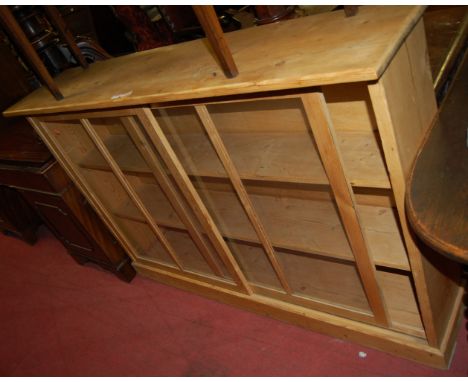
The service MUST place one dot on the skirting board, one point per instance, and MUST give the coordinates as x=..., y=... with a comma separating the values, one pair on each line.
x=386, y=340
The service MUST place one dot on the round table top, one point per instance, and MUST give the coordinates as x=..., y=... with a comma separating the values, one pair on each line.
x=437, y=192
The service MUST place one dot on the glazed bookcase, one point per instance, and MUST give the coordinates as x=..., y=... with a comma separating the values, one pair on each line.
x=288, y=202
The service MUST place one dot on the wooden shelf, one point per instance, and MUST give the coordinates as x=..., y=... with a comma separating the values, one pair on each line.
x=150, y=249
x=383, y=236
x=285, y=157
x=303, y=274
x=308, y=226
x=362, y=159
x=264, y=157
x=302, y=234
x=239, y=228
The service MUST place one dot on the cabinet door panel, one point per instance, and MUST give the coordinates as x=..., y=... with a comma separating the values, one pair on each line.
x=251, y=170
x=113, y=158
x=89, y=168
x=151, y=189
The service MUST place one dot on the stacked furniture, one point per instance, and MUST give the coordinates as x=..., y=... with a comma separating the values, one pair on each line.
x=34, y=189
x=281, y=190
x=42, y=192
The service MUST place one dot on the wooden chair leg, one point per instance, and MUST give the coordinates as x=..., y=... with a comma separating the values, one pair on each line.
x=350, y=10
x=209, y=21
x=57, y=21
x=18, y=36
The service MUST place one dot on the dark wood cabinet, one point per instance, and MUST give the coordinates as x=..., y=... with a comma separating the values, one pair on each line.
x=47, y=194
x=16, y=215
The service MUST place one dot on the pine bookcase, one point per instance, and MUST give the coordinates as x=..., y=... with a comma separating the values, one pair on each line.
x=280, y=191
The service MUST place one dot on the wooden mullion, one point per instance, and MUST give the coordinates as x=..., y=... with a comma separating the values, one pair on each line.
x=129, y=189
x=239, y=187
x=163, y=180
x=321, y=125
x=164, y=148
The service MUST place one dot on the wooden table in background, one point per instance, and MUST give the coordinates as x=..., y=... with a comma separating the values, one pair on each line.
x=437, y=197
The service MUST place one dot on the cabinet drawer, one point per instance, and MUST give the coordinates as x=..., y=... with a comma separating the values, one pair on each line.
x=24, y=179
x=62, y=221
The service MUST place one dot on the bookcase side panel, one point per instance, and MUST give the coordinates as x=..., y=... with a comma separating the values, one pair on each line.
x=404, y=106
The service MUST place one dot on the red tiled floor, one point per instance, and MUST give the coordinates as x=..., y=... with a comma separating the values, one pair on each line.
x=61, y=319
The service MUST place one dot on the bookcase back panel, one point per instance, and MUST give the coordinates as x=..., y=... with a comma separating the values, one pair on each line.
x=399, y=293
x=350, y=107
x=327, y=280
x=269, y=140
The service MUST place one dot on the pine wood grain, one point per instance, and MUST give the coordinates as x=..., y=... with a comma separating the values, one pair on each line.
x=321, y=125
x=287, y=221
x=262, y=156
x=309, y=51
x=208, y=19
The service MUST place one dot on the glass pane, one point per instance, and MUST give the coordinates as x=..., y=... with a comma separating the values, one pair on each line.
x=142, y=176
x=274, y=151
x=119, y=144
x=301, y=217
x=187, y=252
x=191, y=144
x=327, y=280
x=269, y=140
x=145, y=241
x=95, y=172
x=255, y=264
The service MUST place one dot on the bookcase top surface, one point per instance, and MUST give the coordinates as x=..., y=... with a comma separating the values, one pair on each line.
x=323, y=49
